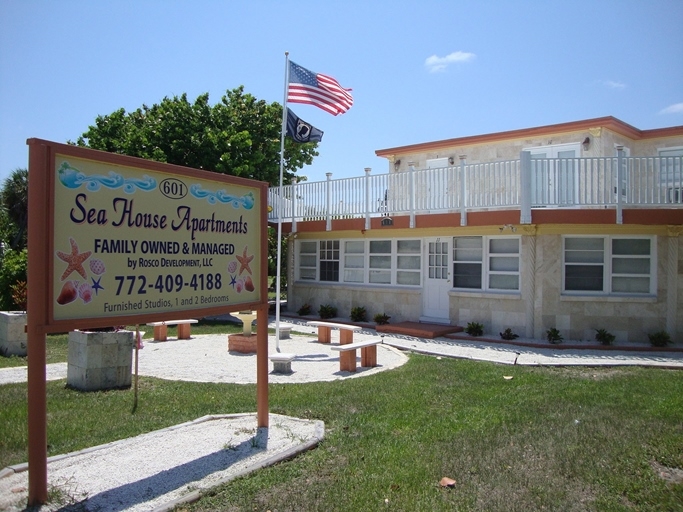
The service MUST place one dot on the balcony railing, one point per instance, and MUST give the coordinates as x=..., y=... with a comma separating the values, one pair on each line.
x=617, y=182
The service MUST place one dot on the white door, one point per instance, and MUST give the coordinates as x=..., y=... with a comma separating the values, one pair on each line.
x=555, y=179
x=435, y=302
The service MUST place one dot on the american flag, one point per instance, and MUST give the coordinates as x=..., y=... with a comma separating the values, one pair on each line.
x=317, y=89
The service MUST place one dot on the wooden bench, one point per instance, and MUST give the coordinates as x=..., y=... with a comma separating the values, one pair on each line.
x=285, y=329
x=325, y=331
x=347, y=356
x=282, y=362
x=161, y=331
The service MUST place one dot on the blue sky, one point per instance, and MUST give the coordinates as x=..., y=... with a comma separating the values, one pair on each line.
x=419, y=71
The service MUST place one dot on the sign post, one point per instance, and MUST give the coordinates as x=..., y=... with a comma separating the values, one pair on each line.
x=116, y=240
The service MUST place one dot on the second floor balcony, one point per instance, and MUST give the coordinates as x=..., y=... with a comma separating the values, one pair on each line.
x=524, y=184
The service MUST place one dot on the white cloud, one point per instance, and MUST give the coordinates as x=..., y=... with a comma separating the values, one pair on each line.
x=676, y=108
x=435, y=64
x=614, y=85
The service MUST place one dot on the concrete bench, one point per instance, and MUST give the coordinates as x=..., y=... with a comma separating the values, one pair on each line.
x=285, y=329
x=347, y=356
x=161, y=331
x=325, y=331
x=282, y=362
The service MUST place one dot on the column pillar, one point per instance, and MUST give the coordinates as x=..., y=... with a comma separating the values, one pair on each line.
x=528, y=276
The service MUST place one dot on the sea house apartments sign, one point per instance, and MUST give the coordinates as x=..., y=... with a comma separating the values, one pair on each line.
x=115, y=240
x=132, y=238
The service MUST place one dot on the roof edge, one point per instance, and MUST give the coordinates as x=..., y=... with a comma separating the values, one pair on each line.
x=609, y=122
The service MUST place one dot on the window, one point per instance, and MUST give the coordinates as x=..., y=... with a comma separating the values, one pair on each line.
x=584, y=261
x=408, y=262
x=631, y=264
x=329, y=260
x=467, y=261
x=307, y=260
x=486, y=263
x=380, y=261
x=354, y=261
x=437, y=163
x=605, y=265
x=503, y=263
x=377, y=262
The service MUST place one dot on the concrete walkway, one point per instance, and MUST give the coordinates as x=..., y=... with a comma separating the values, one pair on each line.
x=205, y=358
x=538, y=355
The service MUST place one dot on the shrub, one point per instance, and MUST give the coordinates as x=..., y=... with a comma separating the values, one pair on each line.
x=13, y=266
x=507, y=334
x=381, y=318
x=358, y=314
x=19, y=295
x=304, y=310
x=326, y=311
x=659, y=338
x=604, y=336
x=553, y=336
x=474, y=329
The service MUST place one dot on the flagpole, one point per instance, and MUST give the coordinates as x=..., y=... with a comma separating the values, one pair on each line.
x=279, y=206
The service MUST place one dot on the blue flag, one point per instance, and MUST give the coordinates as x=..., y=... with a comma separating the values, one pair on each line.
x=300, y=130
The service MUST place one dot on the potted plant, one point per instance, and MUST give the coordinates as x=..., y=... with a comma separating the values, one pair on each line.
x=304, y=310
x=507, y=334
x=474, y=329
x=326, y=311
x=604, y=336
x=358, y=314
x=381, y=318
x=659, y=338
x=553, y=336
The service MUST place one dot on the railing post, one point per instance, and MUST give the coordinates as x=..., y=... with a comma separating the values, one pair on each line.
x=620, y=180
x=367, y=197
x=412, y=194
x=525, y=187
x=328, y=201
x=463, y=191
x=292, y=187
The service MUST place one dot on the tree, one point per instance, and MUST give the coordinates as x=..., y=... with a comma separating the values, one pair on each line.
x=13, y=235
x=14, y=209
x=239, y=136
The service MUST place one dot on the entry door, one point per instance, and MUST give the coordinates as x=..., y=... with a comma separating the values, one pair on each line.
x=555, y=179
x=437, y=280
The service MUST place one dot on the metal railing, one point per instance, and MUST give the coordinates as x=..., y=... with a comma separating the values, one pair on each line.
x=527, y=183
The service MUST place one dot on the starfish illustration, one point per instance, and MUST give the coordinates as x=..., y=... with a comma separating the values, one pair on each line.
x=244, y=262
x=96, y=284
x=75, y=260
x=233, y=281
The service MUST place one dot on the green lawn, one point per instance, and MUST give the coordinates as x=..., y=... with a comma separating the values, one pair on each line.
x=547, y=439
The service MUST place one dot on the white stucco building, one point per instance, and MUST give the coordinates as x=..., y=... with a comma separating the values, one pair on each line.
x=575, y=226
